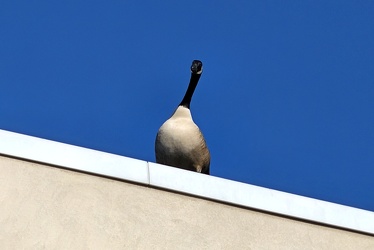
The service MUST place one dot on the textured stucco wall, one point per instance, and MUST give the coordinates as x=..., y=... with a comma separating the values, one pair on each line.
x=49, y=208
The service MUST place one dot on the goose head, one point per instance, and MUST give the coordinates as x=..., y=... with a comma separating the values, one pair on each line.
x=197, y=67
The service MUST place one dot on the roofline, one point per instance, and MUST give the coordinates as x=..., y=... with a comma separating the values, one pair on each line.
x=178, y=180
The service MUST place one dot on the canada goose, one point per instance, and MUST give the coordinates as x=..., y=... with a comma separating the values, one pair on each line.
x=179, y=141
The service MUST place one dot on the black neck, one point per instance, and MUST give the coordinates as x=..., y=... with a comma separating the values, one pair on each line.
x=191, y=88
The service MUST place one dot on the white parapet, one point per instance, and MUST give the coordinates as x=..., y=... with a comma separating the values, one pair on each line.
x=210, y=187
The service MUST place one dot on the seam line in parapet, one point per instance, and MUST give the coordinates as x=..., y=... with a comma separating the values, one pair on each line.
x=148, y=174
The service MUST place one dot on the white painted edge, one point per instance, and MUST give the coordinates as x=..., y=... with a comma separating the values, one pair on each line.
x=73, y=157
x=260, y=198
x=205, y=186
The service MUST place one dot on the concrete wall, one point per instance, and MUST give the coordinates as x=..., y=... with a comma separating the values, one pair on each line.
x=43, y=207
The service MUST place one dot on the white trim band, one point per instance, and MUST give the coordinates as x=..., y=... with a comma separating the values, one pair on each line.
x=205, y=186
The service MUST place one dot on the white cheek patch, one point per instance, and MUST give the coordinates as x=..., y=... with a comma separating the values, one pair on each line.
x=200, y=71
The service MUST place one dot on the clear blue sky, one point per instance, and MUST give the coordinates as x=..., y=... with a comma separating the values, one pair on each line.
x=285, y=101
